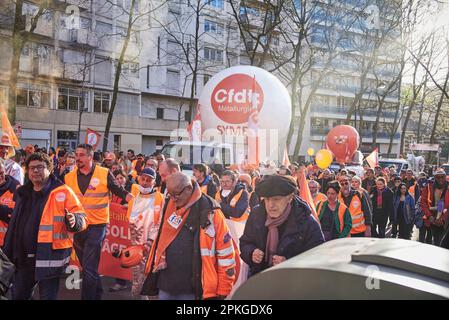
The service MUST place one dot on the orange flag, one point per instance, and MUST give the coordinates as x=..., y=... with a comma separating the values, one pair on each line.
x=304, y=194
x=373, y=158
x=286, y=160
x=7, y=128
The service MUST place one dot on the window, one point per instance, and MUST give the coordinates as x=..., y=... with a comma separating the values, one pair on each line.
x=159, y=113
x=213, y=54
x=249, y=10
x=213, y=27
x=101, y=102
x=102, y=28
x=173, y=78
x=33, y=98
x=117, y=142
x=206, y=78
x=187, y=116
x=134, y=68
x=216, y=3
x=275, y=40
x=67, y=139
x=71, y=99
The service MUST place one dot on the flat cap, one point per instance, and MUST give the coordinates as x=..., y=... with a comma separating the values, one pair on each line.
x=276, y=185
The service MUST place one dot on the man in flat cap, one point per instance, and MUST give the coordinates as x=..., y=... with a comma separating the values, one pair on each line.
x=280, y=228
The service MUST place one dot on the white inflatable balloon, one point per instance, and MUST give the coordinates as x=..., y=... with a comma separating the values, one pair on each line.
x=226, y=103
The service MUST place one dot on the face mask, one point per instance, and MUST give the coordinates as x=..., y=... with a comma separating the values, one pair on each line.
x=225, y=193
x=145, y=190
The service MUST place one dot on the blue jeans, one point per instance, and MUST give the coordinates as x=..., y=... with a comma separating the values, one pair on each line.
x=24, y=285
x=88, y=246
x=167, y=296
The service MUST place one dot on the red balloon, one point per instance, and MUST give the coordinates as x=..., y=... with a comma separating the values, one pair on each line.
x=343, y=141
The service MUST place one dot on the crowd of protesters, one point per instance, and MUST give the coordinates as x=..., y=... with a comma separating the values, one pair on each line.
x=180, y=223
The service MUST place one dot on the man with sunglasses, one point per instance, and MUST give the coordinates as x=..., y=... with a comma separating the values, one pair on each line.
x=358, y=207
x=193, y=256
x=434, y=203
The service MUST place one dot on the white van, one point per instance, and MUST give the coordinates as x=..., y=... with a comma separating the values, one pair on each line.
x=188, y=153
x=401, y=164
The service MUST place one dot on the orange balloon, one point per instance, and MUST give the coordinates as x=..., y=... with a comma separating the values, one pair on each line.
x=343, y=141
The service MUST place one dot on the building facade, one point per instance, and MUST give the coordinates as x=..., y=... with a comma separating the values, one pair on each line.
x=67, y=70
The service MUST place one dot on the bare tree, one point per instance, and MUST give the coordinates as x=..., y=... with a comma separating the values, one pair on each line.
x=21, y=33
x=134, y=17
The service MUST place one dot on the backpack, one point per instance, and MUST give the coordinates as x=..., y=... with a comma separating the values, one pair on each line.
x=419, y=215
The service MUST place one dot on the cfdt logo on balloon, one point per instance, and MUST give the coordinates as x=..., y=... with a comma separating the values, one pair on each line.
x=234, y=96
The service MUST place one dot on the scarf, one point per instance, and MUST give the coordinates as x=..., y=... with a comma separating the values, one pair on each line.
x=379, y=198
x=175, y=216
x=273, y=233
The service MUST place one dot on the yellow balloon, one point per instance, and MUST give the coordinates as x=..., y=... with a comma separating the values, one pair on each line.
x=323, y=158
x=310, y=151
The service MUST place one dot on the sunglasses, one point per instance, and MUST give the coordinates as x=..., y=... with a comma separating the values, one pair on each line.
x=344, y=183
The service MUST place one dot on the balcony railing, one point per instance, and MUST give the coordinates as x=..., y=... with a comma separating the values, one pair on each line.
x=320, y=131
x=345, y=109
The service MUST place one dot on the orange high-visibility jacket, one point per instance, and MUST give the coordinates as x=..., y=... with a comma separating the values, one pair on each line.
x=96, y=199
x=217, y=273
x=357, y=215
x=320, y=197
x=235, y=199
x=6, y=200
x=341, y=215
x=54, y=240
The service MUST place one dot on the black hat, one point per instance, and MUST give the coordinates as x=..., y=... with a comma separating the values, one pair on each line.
x=276, y=185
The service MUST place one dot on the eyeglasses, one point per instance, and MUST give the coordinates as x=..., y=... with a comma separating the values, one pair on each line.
x=177, y=195
x=344, y=183
x=36, y=168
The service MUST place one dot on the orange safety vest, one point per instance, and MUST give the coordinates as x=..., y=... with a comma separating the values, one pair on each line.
x=204, y=189
x=411, y=190
x=6, y=200
x=158, y=204
x=320, y=197
x=54, y=242
x=358, y=218
x=96, y=199
x=134, y=189
x=341, y=213
x=233, y=203
x=218, y=256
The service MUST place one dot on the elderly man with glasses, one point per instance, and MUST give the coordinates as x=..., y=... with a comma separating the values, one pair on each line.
x=193, y=256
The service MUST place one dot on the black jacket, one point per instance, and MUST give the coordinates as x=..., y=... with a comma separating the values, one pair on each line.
x=10, y=185
x=13, y=239
x=197, y=219
x=241, y=205
x=387, y=203
x=299, y=233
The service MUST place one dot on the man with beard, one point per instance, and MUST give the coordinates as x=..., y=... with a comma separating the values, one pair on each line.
x=434, y=203
x=92, y=184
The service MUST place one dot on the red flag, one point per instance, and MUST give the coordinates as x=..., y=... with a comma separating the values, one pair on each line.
x=253, y=126
x=373, y=158
x=194, y=128
x=304, y=194
x=92, y=138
